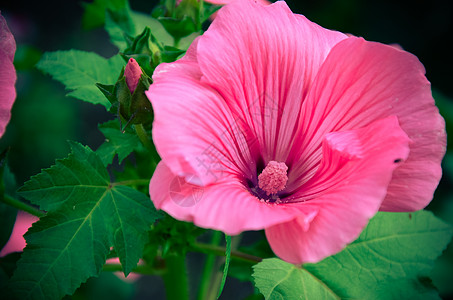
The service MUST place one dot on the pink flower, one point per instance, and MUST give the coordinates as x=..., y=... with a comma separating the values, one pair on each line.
x=292, y=128
x=16, y=242
x=7, y=74
x=132, y=72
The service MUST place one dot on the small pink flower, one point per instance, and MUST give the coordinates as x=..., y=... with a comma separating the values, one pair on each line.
x=7, y=74
x=16, y=242
x=132, y=74
x=295, y=129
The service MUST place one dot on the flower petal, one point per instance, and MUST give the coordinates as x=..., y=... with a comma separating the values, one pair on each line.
x=187, y=110
x=7, y=74
x=227, y=205
x=361, y=82
x=347, y=190
x=262, y=60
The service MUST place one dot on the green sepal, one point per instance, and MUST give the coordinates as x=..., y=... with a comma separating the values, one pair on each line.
x=130, y=108
x=140, y=106
x=108, y=91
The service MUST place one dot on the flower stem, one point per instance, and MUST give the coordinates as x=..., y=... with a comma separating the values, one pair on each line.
x=146, y=141
x=208, y=268
x=22, y=206
x=143, y=136
x=175, y=278
x=220, y=251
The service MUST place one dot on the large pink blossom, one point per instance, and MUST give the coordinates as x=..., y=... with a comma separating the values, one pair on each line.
x=273, y=122
x=7, y=74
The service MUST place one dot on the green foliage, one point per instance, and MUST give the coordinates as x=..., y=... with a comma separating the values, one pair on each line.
x=26, y=57
x=173, y=236
x=7, y=267
x=87, y=214
x=94, y=15
x=185, y=18
x=391, y=259
x=242, y=270
x=129, y=24
x=105, y=287
x=79, y=71
x=117, y=142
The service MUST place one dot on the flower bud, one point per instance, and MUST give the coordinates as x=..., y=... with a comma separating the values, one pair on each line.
x=132, y=74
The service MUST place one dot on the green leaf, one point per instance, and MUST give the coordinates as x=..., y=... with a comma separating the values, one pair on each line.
x=143, y=20
x=117, y=142
x=94, y=14
x=391, y=259
x=227, y=264
x=277, y=279
x=105, y=287
x=79, y=71
x=86, y=216
x=7, y=267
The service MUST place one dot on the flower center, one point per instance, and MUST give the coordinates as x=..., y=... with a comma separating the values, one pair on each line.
x=273, y=179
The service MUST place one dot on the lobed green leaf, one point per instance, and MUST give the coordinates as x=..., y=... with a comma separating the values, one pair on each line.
x=87, y=215
x=79, y=71
x=391, y=259
x=277, y=279
x=117, y=142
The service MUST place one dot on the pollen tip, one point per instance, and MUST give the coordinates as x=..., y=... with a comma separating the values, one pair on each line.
x=274, y=177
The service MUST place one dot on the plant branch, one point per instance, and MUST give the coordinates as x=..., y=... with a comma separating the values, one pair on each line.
x=143, y=270
x=220, y=251
x=22, y=206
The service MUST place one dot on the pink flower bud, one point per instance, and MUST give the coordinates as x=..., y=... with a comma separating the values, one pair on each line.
x=132, y=74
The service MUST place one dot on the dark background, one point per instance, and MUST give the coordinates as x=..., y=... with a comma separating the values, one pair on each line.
x=43, y=119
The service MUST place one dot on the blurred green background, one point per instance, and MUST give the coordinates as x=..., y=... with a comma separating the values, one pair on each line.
x=43, y=118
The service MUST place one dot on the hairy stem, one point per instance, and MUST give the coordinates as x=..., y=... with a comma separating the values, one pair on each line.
x=208, y=270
